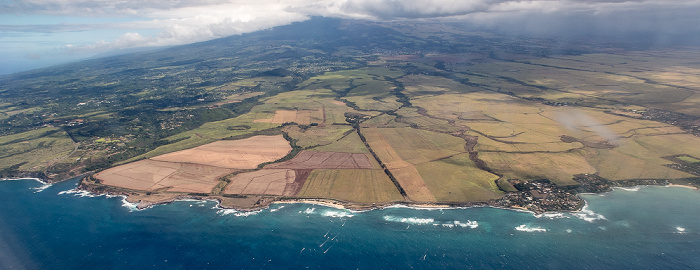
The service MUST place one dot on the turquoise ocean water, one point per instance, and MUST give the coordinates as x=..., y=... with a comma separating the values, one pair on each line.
x=54, y=228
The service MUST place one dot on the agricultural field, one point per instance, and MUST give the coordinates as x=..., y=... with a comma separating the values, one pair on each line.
x=350, y=143
x=414, y=118
x=688, y=159
x=327, y=160
x=425, y=85
x=557, y=167
x=457, y=179
x=263, y=182
x=152, y=175
x=652, y=79
x=236, y=154
x=349, y=185
x=207, y=133
x=360, y=122
x=412, y=145
x=315, y=136
x=303, y=117
x=198, y=170
x=367, y=89
x=384, y=121
x=404, y=150
x=34, y=150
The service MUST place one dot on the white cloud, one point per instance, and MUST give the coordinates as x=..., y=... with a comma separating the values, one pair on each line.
x=193, y=24
x=186, y=21
x=415, y=8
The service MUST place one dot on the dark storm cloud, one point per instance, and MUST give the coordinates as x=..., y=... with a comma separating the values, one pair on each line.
x=662, y=22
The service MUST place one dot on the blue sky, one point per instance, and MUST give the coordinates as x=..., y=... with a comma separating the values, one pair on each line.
x=39, y=33
x=27, y=41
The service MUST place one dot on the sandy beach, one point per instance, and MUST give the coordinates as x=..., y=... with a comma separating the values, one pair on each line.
x=683, y=186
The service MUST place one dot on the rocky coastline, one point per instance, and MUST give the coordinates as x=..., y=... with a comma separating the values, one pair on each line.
x=537, y=196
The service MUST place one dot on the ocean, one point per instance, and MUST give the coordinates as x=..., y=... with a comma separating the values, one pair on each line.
x=53, y=227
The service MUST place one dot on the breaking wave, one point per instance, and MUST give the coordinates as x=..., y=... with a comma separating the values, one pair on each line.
x=469, y=224
x=410, y=220
x=129, y=205
x=18, y=179
x=552, y=215
x=420, y=208
x=83, y=193
x=525, y=228
x=224, y=212
x=337, y=213
x=79, y=193
x=429, y=221
x=632, y=189
x=276, y=209
x=41, y=188
x=588, y=215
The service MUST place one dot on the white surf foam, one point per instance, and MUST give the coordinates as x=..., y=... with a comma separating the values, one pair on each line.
x=337, y=213
x=420, y=208
x=588, y=215
x=129, y=205
x=552, y=215
x=631, y=189
x=79, y=193
x=525, y=228
x=247, y=213
x=309, y=210
x=83, y=193
x=224, y=212
x=41, y=188
x=470, y=224
x=276, y=209
x=410, y=220
x=21, y=179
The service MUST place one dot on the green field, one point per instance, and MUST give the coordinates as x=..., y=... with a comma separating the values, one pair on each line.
x=413, y=145
x=457, y=179
x=315, y=136
x=35, y=150
x=350, y=143
x=352, y=185
x=688, y=159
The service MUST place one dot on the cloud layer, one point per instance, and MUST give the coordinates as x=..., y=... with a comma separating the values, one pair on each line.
x=187, y=21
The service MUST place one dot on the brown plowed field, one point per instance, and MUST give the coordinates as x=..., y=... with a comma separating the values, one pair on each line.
x=152, y=175
x=237, y=154
x=262, y=182
x=326, y=160
x=300, y=177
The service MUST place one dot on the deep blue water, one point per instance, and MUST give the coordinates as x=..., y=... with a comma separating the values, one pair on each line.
x=650, y=228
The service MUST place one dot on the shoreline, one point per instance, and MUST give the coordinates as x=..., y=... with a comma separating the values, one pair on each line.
x=360, y=207
x=26, y=178
x=683, y=186
x=130, y=201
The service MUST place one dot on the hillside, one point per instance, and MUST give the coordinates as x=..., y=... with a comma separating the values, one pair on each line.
x=359, y=112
